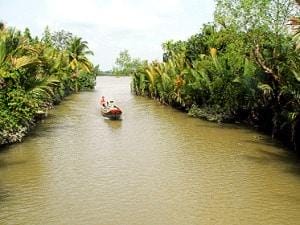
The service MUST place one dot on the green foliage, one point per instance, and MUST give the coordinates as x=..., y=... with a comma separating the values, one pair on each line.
x=97, y=70
x=35, y=74
x=243, y=67
x=61, y=39
x=77, y=51
x=125, y=64
x=46, y=39
x=86, y=81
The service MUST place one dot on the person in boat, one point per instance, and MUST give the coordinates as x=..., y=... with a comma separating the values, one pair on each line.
x=102, y=101
x=111, y=103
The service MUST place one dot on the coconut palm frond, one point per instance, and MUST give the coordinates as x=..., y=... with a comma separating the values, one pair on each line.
x=43, y=88
x=24, y=61
x=3, y=52
x=77, y=52
x=85, y=64
x=150, y=75
x=296, y=38
x=297, y=75
x=266, y=89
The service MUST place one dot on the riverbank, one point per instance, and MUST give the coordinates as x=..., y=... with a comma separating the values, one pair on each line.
x=215, y=115
x=10, y=136
x=212, y=115
x=36, y=74
x=156, y=166
x=233, y=72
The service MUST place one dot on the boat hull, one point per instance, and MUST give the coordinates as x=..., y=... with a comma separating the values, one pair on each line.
x=111, y=113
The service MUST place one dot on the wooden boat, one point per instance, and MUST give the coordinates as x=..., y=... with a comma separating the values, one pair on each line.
x=111, y=111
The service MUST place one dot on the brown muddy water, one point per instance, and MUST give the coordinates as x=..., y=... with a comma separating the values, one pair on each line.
x=156, y=166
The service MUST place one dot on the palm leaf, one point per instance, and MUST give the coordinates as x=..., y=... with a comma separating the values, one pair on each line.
x=267, y=89
x=297, y=75
x=43, y=88
x=24, y=61
x=3, y=53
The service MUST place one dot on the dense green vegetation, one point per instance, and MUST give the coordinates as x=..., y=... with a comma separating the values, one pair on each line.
x=245, y=66
x=125, y=64
x=35, y=74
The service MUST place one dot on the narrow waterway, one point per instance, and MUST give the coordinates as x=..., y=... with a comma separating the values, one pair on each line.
x=157, y=166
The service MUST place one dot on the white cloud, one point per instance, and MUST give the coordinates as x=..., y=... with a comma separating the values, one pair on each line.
x=113, y=25
x=114, y=14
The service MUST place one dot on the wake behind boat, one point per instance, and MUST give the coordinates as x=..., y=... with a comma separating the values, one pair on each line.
x=110, y=110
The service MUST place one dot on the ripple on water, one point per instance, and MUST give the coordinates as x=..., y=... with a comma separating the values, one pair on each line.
x=156, y=166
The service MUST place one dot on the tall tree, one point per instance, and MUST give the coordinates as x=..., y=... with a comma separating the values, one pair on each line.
x=123, y=61
x=61, y=39
x=46, y=39
x=27, y=34
x=251, y=14
x=125, y=64
x=78, y=51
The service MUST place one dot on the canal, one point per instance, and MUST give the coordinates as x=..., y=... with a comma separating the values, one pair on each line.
x=156, y=166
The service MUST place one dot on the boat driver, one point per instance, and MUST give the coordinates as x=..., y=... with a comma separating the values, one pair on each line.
x=102, y=101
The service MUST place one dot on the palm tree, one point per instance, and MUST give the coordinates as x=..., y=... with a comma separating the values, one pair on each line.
x=16, y=54
x=77, y=52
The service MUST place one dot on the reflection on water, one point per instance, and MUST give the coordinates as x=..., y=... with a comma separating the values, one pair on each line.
x=113, y=124
x=157, y=166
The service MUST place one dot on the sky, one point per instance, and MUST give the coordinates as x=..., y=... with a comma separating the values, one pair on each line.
x=110, y=26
